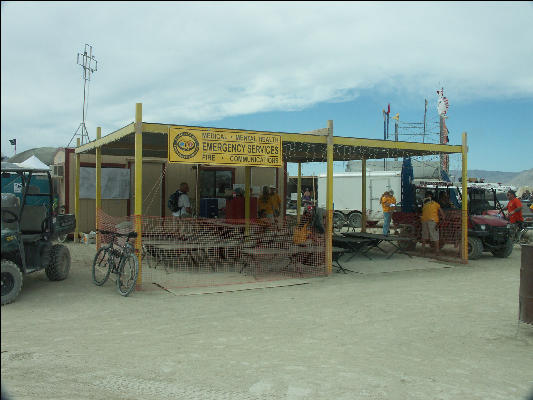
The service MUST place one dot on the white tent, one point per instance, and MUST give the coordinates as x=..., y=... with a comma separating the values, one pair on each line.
x=34, y=163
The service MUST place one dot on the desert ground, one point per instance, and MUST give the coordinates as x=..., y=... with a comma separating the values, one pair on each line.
x=404, y=328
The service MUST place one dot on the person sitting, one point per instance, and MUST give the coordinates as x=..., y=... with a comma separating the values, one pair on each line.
x=302, y=231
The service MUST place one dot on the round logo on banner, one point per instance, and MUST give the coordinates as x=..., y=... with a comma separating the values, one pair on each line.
x=186, y=145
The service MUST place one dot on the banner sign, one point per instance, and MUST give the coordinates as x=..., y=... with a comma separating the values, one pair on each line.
x=224, y=146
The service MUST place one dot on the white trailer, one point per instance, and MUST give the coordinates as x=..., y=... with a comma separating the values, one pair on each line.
x=347, y=195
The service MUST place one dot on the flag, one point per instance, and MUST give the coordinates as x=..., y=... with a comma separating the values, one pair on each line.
x=442, y=103
x=388, y=109
x=13, y=142
x=396, y=117
x=446, y=132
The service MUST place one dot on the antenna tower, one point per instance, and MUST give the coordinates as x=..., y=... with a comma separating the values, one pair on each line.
x=89, y=65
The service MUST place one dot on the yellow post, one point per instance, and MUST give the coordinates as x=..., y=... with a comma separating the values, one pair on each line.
x=363, y=194
x=464, y=203
x=77, y=196
x=247, y=183
x=138, y=186
x=299, y=190
x=329, y=199
x=98, y=183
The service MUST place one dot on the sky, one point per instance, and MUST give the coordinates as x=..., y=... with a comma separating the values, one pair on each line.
x=283, y=67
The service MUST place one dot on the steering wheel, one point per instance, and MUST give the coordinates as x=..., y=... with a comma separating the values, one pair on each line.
x=14, y=217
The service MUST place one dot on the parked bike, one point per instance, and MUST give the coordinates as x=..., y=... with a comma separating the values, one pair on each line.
x=121, y=261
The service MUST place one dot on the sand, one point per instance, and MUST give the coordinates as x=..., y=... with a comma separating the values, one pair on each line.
x=404, y=328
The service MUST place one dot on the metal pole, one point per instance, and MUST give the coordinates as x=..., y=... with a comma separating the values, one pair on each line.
x=464, y=202
x=77, y=195
x=363, y=194
x=247, y=182
x=425, y=112
x=98, y=183
x=197, y=191
x=441, y=141
x=329, y=199
x=138, y=186
x=384, y=136
x=299, y=191
x=396, y=135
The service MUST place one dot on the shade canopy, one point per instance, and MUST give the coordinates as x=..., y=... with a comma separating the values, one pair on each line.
x=297, y=147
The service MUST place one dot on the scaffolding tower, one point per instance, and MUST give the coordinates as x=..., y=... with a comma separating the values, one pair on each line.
x=89, y=65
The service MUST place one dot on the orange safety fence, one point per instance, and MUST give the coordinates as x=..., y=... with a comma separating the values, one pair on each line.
x=446, y=235
x=196, y=252
x=488, y=233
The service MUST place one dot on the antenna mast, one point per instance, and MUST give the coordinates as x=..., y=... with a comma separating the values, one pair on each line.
x=86, y=61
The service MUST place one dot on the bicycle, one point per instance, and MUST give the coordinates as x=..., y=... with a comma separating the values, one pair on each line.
x=519, y=233
x=127, y=267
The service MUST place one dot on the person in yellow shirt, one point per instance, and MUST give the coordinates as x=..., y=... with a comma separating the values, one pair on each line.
x=431, y=212
x=302, y=231
x=275, y=201
x=264, y=204
x=388, y=202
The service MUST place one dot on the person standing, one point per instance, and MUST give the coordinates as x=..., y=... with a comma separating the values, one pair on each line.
x=388, y=201
x=306, y=198
x=275, y=201
x=183, y=207
x=431, y=212
x=514, y=209
x=264, y=205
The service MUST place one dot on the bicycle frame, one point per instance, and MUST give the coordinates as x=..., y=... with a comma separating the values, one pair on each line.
x=121, y=252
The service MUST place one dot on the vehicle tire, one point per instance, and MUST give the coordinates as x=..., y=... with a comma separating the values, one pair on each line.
x=504, y=251
x=101, y=267
x=475, y=248
x=338, y=221
x=59, y=266
x=355, y=220
x=407, y=231
x=11, y=281
x=128, y=271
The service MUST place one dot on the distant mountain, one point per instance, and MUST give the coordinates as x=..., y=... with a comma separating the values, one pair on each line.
x=45, y=154
x=490, y=176
x=524, y=178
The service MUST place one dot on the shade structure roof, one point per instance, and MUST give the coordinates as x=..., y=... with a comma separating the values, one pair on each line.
x=297, y=147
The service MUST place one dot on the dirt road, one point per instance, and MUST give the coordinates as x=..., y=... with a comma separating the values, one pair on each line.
x=399, y=329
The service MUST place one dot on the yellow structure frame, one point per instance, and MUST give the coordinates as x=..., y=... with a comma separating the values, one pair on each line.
x=319, y=137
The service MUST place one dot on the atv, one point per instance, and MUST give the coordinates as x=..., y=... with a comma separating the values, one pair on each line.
x=486, y=231
x=28, y=229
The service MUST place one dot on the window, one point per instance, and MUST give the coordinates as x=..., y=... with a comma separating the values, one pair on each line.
x=214, y=182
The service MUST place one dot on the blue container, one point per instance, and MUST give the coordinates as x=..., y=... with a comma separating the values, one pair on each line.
x=11, y=183
x=209, y=208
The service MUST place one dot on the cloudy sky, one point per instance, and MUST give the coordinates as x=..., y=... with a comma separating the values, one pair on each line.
x=273, y=66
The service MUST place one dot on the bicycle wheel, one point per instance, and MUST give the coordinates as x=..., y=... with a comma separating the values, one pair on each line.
x=101, y=266
x=128, y=270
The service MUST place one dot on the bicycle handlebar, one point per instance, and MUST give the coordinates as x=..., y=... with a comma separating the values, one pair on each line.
x=129, y=234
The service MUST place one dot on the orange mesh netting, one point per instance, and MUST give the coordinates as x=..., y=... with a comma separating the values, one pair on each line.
x=189, y=252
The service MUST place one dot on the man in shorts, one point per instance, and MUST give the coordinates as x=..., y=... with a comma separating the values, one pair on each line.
x=431, y=212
